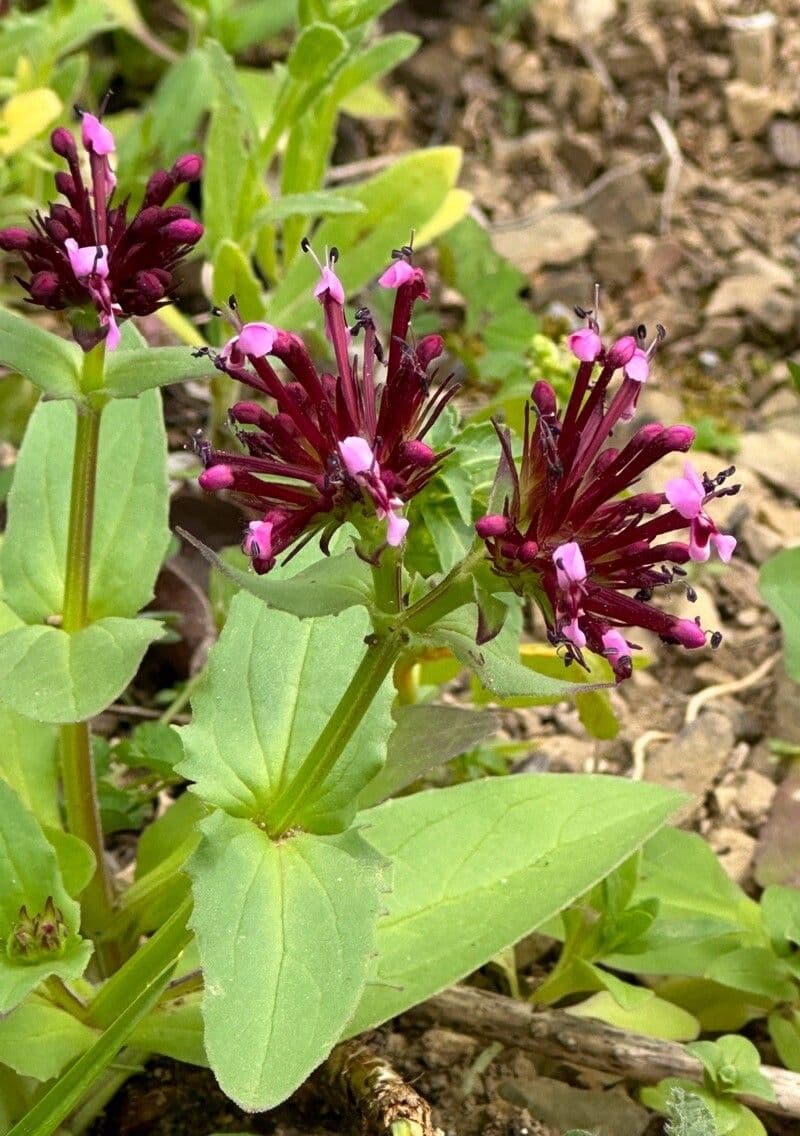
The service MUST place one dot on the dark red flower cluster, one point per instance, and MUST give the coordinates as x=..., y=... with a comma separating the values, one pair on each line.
x=86, y=255
x=335, y=446
x=570, y=537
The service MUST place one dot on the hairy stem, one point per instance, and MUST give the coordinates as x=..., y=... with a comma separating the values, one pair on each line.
x=77, y=768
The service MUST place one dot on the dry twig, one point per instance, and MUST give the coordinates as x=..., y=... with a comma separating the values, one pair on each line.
x=585, y=1042
x=376, y=1097
x=675, y=157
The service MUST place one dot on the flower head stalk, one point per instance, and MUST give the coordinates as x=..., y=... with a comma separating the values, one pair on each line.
x=87, y=257
x=564, y=534
x=331, y=446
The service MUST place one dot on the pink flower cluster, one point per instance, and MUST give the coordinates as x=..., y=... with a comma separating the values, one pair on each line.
x=87, y=257
x=568, y=537
x=336, y=447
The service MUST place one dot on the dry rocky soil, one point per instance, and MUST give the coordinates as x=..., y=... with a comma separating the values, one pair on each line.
x=654, y=146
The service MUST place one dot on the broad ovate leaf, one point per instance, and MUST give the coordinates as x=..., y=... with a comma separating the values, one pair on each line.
x=779, y=582
x=286, y=932
x=271, y=686
x=38, y=1039
x=31, y=885
x=51, y=363
x=130, y=532
x=28, y=763
x=58, y=677
x=475, y=867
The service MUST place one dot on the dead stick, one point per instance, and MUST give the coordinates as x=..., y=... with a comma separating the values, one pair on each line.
x=377, y=1098
x=585, y=1041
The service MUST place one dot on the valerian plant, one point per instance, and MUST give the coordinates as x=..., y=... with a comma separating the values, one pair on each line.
x=290, y=900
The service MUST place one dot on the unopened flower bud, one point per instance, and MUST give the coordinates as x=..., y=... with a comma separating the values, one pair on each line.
x=184, y=232
x=14, y=239
x=216, y=477
x=417, y=453
x=64, y=144
x=493, y=525
x=621, y=352
x=187, y=168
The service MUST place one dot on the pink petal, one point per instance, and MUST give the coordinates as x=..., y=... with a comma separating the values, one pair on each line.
x=89, y=260
x=724, y=544
x=585, y=344
x=638, y=366
x=399, y=272
x=96, y=137
x=622, y=351
x=686, y=493
x=258, y=540
x=688, y=633
x=396, y=529
x=614, y=644
x=357, y=456
x=114, y=335
x=331, y=284
x=572, y=632
x=256, y=339
x=699, y=542
x=570, y=565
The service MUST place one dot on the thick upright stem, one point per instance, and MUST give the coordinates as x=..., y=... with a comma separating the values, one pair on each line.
x=77, y=768
x=353, y=705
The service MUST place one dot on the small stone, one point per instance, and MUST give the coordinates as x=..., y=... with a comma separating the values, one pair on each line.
x=753, y=43
x=573, y=22
x=443, y=1047
x=784, y=143
x=625, y=206
x=775, y=455
x=555, y=239
x=749, y=617
x=754, y=795
x=693, y=759
x=709, y=360
x=734, y=850
x=582, y=154
x=750, y=108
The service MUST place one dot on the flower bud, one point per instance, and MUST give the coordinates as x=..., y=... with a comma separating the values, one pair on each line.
x=187, y=168
x=64, y=144
x=184, y=232
x=216, y=477
x=14, y=239
x=417, y=453
x=621, y=352
x=492, y=525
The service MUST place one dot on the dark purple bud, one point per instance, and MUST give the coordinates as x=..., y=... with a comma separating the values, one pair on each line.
x=159, y=186
x=678, y=438
x=149, y=287
x=45, y=288
x=187, y=168
x=429, y=348
x=417, y=453
x=56, y=230
x=14, y=239
x=528, y=551
x=63, y=144
x=184, y=232
x=247, y=413
x=491, y=526
x=544, y=399
x=65, y=184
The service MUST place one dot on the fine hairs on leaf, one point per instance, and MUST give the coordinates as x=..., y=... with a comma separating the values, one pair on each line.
x=689, y=1115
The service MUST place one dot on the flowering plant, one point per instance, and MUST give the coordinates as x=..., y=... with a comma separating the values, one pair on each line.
x=291, y=899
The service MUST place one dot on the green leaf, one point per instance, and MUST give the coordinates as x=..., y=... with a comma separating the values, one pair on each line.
x=51, y=363
x=785, y=1035
x=75, y=859
x=130, y=534
x=779, y=582
x=794, y=371
x=756, y=970
x=286, y=931
x=396, y=201
x=733, y=1065
x=425, y=736
x=174, y=1029
x=48, y=1112
x=29, y=876
x=315, y=51
x=729, y=1118
x=254, y=722
x=233, y=275
x=653, y=1018
x=56, y=677
x=28, y=764
x=160, y=839
x=152, y=746
x=38, y=1039
x=317, y=203
x=130, y=373
x=780, y=911
x=495, y=663
x=329, y=586
x=478, y=866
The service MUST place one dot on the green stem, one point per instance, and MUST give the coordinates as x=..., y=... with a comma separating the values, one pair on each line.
x=353, y=705
x=77, y=767
x=163, y=948
x=386, y=577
